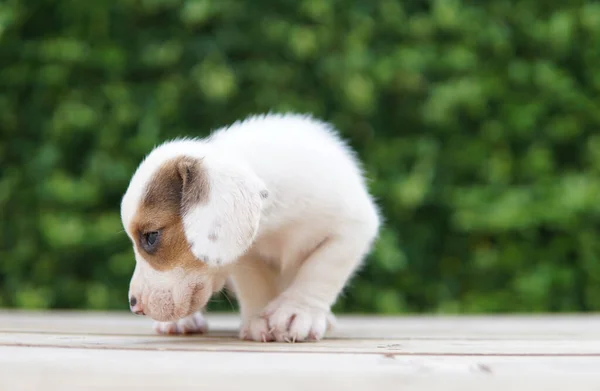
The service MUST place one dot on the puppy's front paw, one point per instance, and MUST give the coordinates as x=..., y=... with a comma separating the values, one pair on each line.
x=256, y=328
x=292, y=321
x=193, y=324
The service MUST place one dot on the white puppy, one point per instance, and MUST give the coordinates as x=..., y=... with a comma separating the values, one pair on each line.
x=278, y=203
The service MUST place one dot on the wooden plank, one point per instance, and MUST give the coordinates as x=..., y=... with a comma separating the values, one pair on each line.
x=364, y=327
x=378, y=335
x=76, y=369
x=396, y=346
x=118, y=351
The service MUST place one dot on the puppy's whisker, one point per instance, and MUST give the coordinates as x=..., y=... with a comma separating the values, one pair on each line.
x=216, y=299
x=230, y=302
x=248, y=267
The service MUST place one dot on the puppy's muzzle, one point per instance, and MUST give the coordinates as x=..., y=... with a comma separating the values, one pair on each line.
x=136, y=306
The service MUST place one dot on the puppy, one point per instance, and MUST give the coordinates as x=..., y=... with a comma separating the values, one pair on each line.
x=277, y=203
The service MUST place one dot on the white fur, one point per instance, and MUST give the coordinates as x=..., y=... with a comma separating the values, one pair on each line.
x=193, y=324
x=232, y=214
x=293, y=217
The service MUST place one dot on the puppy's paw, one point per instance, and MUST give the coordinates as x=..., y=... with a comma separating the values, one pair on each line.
x=293, y=321
x=255, y=328
x=193, y=324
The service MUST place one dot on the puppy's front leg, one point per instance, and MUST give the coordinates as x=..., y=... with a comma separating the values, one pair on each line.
x=255, y=286
x=302, y=311
x=193, y=324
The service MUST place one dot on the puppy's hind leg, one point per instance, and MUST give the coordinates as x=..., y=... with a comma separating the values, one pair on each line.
x=302, y=311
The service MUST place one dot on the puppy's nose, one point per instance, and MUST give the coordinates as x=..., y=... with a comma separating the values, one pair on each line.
x=136, y=307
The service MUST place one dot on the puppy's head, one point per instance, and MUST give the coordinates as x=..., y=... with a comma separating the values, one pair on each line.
x=188, y=217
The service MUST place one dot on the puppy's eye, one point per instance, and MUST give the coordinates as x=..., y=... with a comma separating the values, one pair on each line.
x=150, y=241
x=151, y=237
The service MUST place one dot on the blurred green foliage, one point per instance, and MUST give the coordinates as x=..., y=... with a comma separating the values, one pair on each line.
x=477, y=122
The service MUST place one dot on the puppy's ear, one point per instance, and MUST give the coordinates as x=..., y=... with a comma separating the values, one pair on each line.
x=221, y=204
x=195, y=187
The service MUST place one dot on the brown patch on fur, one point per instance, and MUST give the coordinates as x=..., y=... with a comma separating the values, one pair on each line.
x=195, y=183
x=178, y=185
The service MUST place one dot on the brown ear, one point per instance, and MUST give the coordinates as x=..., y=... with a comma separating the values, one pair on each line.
x=194, y=182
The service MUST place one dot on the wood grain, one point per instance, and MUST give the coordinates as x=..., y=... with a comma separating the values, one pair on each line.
x=119, y=351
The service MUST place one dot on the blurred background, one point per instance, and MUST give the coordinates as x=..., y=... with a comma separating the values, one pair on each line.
x=478, y=123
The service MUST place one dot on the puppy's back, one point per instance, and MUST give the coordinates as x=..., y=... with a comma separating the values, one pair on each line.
x=308, y=168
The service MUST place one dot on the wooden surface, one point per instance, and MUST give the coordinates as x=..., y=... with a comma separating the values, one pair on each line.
x=119, y=351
